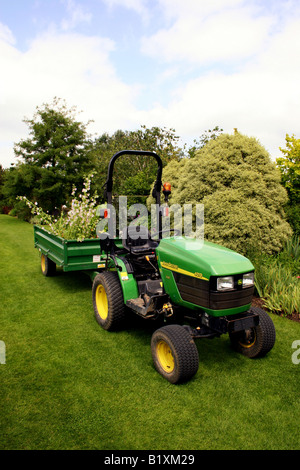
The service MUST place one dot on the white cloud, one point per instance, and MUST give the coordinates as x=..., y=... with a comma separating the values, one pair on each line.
x=6, y=34
x=138, y=6
x=261, y=97
x=243, y=58
x=179, y=9
x=77, y=15
x=69, y=66
x=209, y=32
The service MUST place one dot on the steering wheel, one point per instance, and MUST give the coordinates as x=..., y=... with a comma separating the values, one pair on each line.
x=177, y=232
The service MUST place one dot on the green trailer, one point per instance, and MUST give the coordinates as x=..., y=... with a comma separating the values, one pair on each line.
x=71, y=255
x=194, y=289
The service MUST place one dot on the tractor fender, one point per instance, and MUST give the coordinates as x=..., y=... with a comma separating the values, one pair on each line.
x=127, y=281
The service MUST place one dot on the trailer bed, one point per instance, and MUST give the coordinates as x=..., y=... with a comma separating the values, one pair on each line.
x=71, y=255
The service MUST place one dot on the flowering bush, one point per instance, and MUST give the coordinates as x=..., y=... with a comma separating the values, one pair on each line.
x=77, y=223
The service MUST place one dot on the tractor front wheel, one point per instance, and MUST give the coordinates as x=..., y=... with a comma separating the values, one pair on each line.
x=108, y=300
x=257, y=341
x=174, y=353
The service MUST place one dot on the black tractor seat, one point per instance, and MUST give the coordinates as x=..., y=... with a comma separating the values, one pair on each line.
x=137, y=240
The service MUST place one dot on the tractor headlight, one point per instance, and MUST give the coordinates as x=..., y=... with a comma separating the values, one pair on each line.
x=248, y=280
x=225, y=283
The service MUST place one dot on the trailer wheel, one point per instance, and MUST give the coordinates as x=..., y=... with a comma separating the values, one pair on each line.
x=48, y=266
x=108, y=301
x=257, y=341
x=174, y=353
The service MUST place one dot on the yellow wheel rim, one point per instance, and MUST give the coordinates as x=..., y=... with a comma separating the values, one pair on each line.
x=165, y=356
x=249, y=339
x=43, y=263
x=101, y=302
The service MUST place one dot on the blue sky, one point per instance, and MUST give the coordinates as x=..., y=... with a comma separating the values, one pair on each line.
x=188, y=65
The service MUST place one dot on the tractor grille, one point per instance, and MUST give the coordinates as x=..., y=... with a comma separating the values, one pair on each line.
x=231, y=299
x=203, y=293
x=192, y=289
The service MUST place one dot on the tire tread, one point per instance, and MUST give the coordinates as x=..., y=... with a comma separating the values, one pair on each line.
x=187, y=358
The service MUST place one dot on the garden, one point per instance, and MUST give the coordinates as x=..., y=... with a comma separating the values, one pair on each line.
x=68, y=384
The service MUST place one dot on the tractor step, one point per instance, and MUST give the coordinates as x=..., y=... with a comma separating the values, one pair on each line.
x=138, y=306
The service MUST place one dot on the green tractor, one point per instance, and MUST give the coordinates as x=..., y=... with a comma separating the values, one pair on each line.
x=194, y=288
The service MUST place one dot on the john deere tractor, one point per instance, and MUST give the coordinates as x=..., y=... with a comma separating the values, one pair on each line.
x=193, y=288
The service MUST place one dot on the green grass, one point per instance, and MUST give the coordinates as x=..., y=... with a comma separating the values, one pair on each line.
x=68, y=384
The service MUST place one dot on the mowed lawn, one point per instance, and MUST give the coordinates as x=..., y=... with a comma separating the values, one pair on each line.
x=68, y=384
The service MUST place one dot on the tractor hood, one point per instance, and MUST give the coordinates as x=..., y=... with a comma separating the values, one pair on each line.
x=200, y=259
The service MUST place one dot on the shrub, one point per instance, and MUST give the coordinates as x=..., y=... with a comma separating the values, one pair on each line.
x=293, y=217
x=79, y=222
x=21, y=211
x=239, y=185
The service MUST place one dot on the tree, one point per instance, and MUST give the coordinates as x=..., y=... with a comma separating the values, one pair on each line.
x=55, y=154
x=19, y=180
x=211, y=134
x=289, y=166
x=239, y=185
x=2, y=200
x=134, y=175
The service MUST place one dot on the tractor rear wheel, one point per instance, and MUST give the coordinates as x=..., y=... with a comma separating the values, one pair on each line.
x=108, y=301
x=257, y=341
x=174, y=353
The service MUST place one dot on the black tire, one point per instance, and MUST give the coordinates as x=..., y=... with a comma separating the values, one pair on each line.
x=108, y=301
x=174, y=353
x=257, y=341
x=48, y=266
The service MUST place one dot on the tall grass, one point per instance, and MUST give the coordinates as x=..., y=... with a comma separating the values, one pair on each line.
x=276, y=278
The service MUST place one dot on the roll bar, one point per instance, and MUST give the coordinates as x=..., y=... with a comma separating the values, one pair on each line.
x=157, y=185
x=109, y=181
